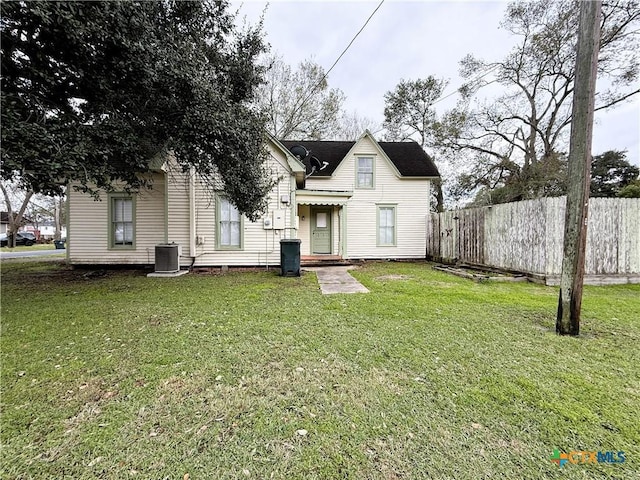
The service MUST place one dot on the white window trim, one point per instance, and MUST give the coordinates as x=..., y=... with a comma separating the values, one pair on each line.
x=373, y=172
x=219, y=246
x=379, y=208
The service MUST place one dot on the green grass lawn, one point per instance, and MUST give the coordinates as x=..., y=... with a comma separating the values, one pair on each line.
x=250, y=375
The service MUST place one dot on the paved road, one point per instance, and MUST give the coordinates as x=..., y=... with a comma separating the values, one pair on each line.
x=6, y=253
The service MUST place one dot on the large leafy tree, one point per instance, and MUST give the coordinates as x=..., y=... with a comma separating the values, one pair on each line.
x=409, y=115
x=631, y=190
x=513, y=138
x=298, y=102
x=93, y=92
x=409, y=111
x=610, y=173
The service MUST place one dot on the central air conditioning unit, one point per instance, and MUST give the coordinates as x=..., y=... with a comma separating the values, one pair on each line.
x=168, y=258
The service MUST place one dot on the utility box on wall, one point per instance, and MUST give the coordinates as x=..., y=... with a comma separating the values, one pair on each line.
x=279, y=222
x=275, y=220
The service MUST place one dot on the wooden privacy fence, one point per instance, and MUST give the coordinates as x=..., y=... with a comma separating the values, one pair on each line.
x=528, y=237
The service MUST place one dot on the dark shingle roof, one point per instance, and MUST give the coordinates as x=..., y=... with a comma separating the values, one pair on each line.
x=408, y=157
x=330, y=152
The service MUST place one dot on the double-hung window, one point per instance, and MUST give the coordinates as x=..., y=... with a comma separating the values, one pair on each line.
x=229, y=226
x=364, y=172
x=386, y=225
x=122, y=221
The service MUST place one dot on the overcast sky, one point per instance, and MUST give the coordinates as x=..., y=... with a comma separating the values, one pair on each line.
x=410, y=40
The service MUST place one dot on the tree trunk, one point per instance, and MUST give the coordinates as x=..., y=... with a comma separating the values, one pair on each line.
x=15, y=220
x=575, y=230
x=56, y=219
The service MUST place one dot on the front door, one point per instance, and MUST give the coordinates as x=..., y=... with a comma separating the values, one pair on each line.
x=321, y=231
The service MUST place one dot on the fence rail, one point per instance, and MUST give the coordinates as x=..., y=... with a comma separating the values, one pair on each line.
x=528, y=236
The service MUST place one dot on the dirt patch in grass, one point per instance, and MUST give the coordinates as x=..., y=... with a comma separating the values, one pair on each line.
x=226, y=270
x=382, y=278
x=26, y=272
x=91, y=396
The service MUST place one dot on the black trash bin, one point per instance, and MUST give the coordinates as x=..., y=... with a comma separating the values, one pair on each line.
x=59, y=244
x=290, y=257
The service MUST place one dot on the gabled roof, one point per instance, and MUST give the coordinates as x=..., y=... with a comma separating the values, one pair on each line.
x=297, y=167
x=408, y=157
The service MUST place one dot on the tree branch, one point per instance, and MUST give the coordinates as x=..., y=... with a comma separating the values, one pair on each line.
x=618, y=100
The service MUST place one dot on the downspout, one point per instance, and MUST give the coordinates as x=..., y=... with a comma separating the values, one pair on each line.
x=266, y=248
x=166, y=207
x=293, y=209
x=67, y=207
x=192, y=215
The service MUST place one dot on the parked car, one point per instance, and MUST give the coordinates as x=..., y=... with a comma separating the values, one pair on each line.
x=22, y=238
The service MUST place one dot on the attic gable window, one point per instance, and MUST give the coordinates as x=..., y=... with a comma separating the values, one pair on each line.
x=364, y=172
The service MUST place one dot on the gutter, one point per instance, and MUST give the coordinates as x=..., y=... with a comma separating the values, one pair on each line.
x=192, y=213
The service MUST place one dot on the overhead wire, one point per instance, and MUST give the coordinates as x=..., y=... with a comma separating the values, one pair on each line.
x=457, y=90
x=351, y=42
x=313, y=89
x=326, y=74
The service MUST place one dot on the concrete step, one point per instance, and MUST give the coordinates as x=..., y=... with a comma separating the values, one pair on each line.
x=322, y=260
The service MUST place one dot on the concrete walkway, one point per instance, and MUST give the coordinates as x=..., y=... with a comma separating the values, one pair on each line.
x=337, y=280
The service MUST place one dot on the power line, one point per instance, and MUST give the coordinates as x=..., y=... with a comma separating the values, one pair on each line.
x=313, y=89
x=352, y=40
x=457, y=90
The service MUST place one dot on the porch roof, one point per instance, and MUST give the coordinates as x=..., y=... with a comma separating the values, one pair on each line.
x=322, y=197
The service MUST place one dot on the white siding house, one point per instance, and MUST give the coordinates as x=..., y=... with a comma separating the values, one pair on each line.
x=348, y=200
x=91, y=236
x=376, y=196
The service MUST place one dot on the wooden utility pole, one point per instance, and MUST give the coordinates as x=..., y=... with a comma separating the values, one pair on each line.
x=579, y=174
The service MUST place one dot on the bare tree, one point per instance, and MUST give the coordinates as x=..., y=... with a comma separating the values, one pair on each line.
x=299, y=104
x=16, y=202
x=49, y=209
x=352, y=126
x=511, y=139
